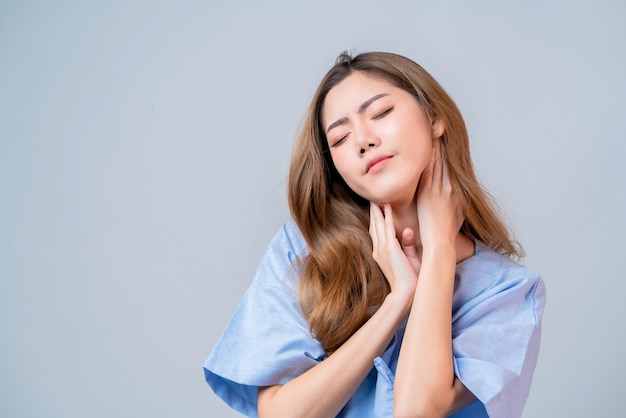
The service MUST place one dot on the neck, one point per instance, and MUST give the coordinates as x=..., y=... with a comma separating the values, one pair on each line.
x=406, y=217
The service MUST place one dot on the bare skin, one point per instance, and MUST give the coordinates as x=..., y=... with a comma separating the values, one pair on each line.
x=388, y=151
x=421, y=288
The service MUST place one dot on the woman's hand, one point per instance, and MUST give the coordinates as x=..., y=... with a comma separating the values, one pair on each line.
x=438, y=209
x=399, y=263
x=425, y=384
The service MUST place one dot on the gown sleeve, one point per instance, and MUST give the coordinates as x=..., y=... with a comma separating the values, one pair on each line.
x=496, y=331
x=267, y=340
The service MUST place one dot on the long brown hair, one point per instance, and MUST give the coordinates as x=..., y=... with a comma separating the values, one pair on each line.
x=340, y=283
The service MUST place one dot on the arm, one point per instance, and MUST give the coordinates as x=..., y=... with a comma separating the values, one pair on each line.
x=425, y=384
x=323, y=390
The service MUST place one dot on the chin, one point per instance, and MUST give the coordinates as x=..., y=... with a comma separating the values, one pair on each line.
x=396, y=200
x=397, y=196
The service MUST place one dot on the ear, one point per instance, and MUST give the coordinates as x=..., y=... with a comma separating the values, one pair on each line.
x=438, y=128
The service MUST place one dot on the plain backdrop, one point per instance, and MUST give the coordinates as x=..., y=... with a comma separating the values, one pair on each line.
x=144, y=147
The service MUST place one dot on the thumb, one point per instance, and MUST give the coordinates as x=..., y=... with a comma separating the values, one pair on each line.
x=407, y=240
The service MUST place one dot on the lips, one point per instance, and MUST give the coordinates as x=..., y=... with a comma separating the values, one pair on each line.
x=375, y=163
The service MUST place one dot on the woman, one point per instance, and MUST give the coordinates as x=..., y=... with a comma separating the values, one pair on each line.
x=392, y=293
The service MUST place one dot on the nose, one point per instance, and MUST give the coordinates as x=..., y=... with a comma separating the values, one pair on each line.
x=366, y=139
x=362, y=150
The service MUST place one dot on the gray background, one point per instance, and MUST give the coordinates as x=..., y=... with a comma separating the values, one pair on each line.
x=143, y=154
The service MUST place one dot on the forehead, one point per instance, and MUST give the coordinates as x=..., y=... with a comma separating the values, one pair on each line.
x=354, y=90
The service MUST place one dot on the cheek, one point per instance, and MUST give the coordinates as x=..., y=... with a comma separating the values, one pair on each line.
x=424, y=152
x=341, y=162
x=346, y=167
x=422, y=146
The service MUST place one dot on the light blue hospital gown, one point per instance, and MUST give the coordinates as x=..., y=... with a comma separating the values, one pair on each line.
x=496, y=327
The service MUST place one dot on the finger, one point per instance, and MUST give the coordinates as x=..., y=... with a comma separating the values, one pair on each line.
x=407, y=240
x=390, y=229
x=437, y=167
x=372, y=229
x=445, y=175
x=375, y=222
x=426, y=177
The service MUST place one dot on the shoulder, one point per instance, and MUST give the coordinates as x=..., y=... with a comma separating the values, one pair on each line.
x=288, y=239
x=491, y=277
x=488, y=267
x=280, y=261
x=287, y=246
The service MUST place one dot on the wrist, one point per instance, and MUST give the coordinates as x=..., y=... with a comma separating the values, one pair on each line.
x=400, y=301
x=439, y=248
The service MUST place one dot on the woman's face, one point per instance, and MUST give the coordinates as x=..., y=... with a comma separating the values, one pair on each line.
x=379, y=137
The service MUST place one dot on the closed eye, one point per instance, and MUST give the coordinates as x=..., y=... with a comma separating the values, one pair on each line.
x=340, y=140
x=383, y=113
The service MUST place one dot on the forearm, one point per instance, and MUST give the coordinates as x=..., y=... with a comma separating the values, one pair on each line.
x=425, y=382
x=323, y=390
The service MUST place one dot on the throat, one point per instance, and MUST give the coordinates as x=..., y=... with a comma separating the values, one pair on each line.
x=406, y=217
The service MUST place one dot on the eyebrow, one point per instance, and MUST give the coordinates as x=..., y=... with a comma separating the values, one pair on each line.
x=362, y=108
